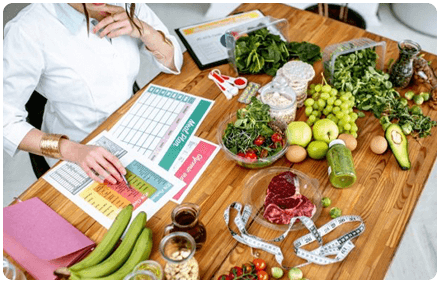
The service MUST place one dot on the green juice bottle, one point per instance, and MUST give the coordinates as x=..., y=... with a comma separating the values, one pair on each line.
x=340, y=165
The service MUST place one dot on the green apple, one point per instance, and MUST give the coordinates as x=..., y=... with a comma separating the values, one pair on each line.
x=325, y=130
x=299, y=133
x=317, y=149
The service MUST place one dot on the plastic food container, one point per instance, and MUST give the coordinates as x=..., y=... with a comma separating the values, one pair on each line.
x=255, y=192
x=332, y=52
x=275, y=26
x=259, y=163
x=282, y=102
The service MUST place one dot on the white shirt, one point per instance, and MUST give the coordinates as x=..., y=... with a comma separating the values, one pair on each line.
x=84, y=78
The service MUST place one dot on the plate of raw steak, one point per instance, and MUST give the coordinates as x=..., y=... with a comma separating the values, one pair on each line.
x=277, y=194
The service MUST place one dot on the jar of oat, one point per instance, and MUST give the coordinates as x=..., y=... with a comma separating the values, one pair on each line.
x=282, y=102
x=178, y=250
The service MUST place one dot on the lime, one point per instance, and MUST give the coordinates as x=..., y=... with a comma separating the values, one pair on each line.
x=317, y=149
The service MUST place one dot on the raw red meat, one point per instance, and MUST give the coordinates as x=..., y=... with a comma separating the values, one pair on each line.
x=283, y=184
x=283, y=200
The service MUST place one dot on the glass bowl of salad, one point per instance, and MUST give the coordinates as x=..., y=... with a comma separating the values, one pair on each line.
x=251, y=137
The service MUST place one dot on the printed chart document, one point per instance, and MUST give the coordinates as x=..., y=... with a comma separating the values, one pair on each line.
x=161, y=125
x=191, y=163
x=151, y=187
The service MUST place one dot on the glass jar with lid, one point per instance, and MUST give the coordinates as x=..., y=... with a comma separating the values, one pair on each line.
x=178, y=249
x=402, y=70
x=282, y=102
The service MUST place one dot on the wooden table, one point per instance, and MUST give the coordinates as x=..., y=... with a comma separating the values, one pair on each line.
x=384, y=195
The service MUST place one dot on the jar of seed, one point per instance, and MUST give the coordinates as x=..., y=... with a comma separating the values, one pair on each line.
x=178, y=249
x=402, y=70
x=282, y=102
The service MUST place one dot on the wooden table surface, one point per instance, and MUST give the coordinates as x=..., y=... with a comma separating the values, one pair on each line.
x=384, y=195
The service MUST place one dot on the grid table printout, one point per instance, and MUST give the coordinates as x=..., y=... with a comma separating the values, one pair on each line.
x=161, y=122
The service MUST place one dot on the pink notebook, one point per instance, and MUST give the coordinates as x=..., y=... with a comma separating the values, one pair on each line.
x=40, y=240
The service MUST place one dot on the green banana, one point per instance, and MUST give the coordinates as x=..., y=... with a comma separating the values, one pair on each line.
x=108, y=242
x=120, y=255
x=140, y=252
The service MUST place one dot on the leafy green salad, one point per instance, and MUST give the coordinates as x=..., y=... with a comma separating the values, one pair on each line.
x=251, y=135
x=262, y=51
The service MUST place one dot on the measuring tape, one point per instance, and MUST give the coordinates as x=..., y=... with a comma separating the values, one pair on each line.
x=340, y=247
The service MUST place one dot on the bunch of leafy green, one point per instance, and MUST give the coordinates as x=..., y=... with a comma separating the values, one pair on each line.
x=252, y=122
x=373, y=91
x=411, y=120
x=304, y=51
x=262, y=51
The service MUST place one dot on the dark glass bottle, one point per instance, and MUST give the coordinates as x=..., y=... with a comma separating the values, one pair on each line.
x=185, y=218
x=402, y=70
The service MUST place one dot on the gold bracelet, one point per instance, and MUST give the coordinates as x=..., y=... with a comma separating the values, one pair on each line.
x=50, y=145
x=165, y=39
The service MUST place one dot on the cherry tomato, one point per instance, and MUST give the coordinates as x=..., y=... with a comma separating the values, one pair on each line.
x=251, y=155
x=276, y=137
x=241, y=154
x=259, y=263
x=262, y=275
x=247, y=268
x=236, y=271
x=259, y=140
x=223, y=277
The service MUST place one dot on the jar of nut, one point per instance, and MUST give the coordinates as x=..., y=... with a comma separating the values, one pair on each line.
x=178, y=250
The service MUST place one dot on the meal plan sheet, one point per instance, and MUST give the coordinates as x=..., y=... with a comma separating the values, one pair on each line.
x=161, y=125
x=151, y=187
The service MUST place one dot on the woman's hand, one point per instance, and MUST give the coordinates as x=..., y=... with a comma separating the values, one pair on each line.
x=97, y=162
x=116, y=23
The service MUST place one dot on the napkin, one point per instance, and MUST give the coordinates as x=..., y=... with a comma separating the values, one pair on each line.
x=40, y=240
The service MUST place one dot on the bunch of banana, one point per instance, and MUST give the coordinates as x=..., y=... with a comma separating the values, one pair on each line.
x=102, y=263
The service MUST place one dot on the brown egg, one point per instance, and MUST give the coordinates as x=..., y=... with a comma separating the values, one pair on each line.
x=349, y=140
x=378, y=144
x=296, y=153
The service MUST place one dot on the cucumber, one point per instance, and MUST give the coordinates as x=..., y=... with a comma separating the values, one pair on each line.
x=120, y=255
x=140, y=252
x=106, y=245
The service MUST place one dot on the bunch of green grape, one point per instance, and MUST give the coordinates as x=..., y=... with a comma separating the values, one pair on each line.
x=327, y=102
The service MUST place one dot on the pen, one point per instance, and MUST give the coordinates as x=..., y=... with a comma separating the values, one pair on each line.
x=125, y=180
x=123, y=177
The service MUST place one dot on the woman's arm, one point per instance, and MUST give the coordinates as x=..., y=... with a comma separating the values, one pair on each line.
x=91, y=158
x=153, y=33
x=159, y=45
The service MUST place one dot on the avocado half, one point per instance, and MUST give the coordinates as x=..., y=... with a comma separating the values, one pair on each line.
x=399, y=145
